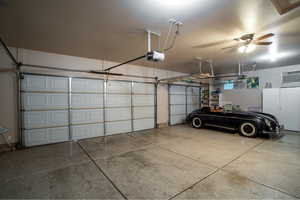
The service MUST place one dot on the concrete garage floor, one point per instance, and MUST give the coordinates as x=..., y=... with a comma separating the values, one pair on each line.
x=177, y=162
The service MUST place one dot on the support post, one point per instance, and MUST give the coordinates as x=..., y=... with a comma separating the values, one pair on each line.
x=169, y=106
x=104, y=107
x=155, y=102
x=69, y=108
x=21, y=143
x=131, y=106
x=186, y=100
x=149, y=41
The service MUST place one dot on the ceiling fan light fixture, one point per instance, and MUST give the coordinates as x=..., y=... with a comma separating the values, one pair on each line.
x=242, y=49
x=250, y=48
x=174, y=4
x=247, y=48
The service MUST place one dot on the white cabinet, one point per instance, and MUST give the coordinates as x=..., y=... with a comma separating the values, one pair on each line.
x=284, y=103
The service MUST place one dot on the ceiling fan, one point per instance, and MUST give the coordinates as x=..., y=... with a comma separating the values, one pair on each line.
x=247, y=42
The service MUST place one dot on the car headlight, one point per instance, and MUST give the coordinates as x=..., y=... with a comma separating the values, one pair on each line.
x=268, y=122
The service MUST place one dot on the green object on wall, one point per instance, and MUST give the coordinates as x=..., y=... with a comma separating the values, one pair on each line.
x=253, y=82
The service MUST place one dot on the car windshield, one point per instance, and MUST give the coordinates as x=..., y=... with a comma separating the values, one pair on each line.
x=225, y=108
x=213, y=109
x=232, y=108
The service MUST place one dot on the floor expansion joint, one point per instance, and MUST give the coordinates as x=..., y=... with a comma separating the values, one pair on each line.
x=99, y=168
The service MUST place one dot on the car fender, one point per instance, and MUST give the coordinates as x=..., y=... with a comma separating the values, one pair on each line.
x=196, y=115
x=259, y=124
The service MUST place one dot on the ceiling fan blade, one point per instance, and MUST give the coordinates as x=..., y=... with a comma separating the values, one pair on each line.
x=211, y=44
x=232, y=47
x=263, y=43
x=265, y=36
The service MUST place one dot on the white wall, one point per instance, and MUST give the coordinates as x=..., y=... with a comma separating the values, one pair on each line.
x=273, y=75
x=8, y=100
x=8, y=89
x=247, y=99
x=253, y=97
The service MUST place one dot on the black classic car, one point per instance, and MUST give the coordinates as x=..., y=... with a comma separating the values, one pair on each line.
x=249, y=124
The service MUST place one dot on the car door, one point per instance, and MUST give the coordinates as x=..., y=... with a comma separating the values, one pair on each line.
x=220, y=119
x=230, y=119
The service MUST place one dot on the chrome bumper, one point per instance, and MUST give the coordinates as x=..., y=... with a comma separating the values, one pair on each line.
x=278, y=131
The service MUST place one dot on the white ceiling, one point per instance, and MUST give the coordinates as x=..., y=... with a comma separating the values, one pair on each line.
x=114, y=29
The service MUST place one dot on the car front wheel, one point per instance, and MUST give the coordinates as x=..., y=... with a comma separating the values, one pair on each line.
x=197, y=122
x=248, y=129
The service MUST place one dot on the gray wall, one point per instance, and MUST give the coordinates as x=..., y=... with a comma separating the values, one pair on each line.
x=8, y=100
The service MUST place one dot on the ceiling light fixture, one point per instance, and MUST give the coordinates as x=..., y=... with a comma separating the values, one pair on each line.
x=242, y=49
x=174, y=3
x=276, y=56
x=247, y=48
x=273, y=53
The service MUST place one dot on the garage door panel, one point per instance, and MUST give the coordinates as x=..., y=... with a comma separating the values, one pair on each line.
x=116, y=114
x=44, y=83
x=143, y=100
x=40, y=119
x=36, y=137
x=193, y=91
x=178, y=119
x=177, y=90
x=116, y=100
x=143, y=112
x=119, y=87
x=87, y=85
x=143, y=124
x=87, y=131
x=177, y=109
x=118, y=127
x=193, y=99
x=44, y=101
x=177, y=99
x=86, y=116
x=45, y=136
x=191, y=108
x=87, y=101
x=142, y=88
x=58, y=134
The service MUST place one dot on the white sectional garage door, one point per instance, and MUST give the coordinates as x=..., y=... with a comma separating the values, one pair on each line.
x=45, y=109
x=182, y=101
x=57, y=109
x=177, y=101
x=87, y=117
x=118, y=107
x=193, y=99
x=143, y=102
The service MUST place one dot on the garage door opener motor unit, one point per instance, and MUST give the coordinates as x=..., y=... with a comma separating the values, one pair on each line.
x=151, y=55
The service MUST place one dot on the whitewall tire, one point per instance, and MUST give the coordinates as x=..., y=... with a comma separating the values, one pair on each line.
x=197, y=122
x=248, y=129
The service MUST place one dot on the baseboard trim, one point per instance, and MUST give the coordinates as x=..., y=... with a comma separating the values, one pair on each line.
x=162, y=125
x=6, y=148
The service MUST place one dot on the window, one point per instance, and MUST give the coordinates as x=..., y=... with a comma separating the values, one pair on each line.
x=228, y=85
